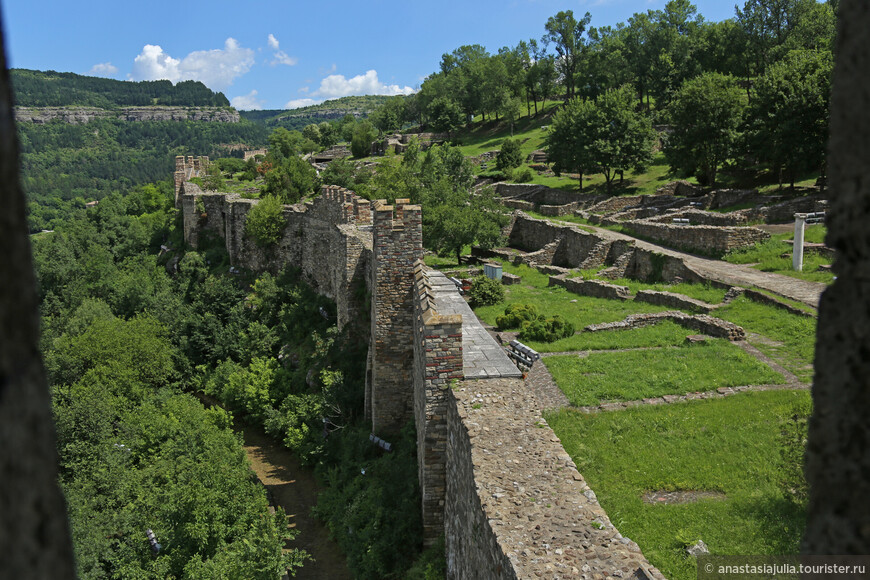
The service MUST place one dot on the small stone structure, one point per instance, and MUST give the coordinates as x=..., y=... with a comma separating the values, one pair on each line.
x=702, y=323
x=673, y=300
x=254, y=153
x=704, y=239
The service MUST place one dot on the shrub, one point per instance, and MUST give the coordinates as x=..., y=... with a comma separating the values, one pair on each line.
x=509, y=156
x=485, y=291
x=523, y=175
x=546, y=330
x=515, y=314
x=266, y=221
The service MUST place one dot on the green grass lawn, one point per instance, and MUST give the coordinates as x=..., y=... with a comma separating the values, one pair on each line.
x=729, y=445
x=767, y=256
x=787, y=338
x=555, y=300
x=632, y=375
x=665, y=333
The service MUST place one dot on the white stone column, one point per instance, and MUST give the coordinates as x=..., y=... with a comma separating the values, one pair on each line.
x=797, y=255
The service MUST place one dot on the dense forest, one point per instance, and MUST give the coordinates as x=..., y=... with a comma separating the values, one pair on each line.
x=63, y=165
x=62, y=89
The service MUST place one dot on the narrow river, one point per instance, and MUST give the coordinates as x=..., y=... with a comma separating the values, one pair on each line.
x=295, y=489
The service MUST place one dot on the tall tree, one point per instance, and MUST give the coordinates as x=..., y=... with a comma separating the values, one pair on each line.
x=566, y=33
x=789, y=114
x=705, y=114
x=606, y=134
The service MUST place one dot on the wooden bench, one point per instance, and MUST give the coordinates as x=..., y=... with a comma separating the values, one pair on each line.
x=522, y=355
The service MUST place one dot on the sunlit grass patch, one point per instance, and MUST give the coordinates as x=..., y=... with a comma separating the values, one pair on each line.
x=729, y=445
x=639, y=374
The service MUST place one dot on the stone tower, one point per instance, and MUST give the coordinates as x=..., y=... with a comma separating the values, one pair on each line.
x=396, y=245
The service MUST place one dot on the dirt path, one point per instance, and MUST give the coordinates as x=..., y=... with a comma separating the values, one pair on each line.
x=294, y=488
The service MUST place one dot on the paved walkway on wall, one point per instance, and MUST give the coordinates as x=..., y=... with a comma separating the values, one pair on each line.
x=482, y=356
x=732, y=274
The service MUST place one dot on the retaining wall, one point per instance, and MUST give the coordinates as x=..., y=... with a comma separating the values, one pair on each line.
x=704, y=239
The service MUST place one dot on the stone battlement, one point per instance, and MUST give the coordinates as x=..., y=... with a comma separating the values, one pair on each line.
x=431, y=360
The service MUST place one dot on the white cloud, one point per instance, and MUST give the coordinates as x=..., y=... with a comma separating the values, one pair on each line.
x=297, y=103
x=281, y=57
x=103, y=69
x=248, y=102
x=217, y=68
x=335, y=86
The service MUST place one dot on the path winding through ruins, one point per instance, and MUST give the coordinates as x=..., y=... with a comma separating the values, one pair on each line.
x=803, y=291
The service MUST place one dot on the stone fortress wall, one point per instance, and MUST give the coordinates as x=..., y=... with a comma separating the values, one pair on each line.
x=494, y=478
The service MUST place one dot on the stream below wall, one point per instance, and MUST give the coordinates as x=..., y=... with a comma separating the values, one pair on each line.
x=294, y=488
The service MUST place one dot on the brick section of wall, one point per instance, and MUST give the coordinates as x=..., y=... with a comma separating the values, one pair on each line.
x=707, y=239
x=518, y=507
x=396, y=245
x=437, y=364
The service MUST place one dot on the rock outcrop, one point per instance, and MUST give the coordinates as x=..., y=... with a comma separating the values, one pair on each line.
x=77, y=115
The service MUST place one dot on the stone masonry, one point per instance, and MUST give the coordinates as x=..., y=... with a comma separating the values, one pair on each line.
x=396, y=245
x=430, y=359
x=437, y=364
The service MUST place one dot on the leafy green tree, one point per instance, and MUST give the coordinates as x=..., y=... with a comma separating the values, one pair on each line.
x=788, y=118
x=311, y=132
x=706, y=114
x=445, y=115
x=291, y=179
x=363, y=135
x=566, y=33
x=389, y=116
x=265, y=221
x=213, y=180
x=606, y=135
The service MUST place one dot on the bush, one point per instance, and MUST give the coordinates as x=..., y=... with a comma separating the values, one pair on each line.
x=265, y=221
x=546, y=330
x=515, y=314
x=510, y=155
x=523, y=175
x=485, y=292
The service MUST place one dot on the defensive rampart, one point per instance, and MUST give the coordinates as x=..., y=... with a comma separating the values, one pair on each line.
x=494, y=478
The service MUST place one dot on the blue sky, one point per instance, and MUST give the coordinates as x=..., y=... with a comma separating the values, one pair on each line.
x=280, y=54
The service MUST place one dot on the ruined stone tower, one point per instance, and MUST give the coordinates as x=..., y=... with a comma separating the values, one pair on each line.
x=396, y=245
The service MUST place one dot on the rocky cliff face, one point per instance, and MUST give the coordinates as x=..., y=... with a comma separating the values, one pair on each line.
x=76, y=115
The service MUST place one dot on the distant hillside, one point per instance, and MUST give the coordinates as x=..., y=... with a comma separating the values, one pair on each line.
x=328, y=110
x=58, y=89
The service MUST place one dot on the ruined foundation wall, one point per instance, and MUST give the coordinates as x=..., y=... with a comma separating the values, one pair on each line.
x=705, y=239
